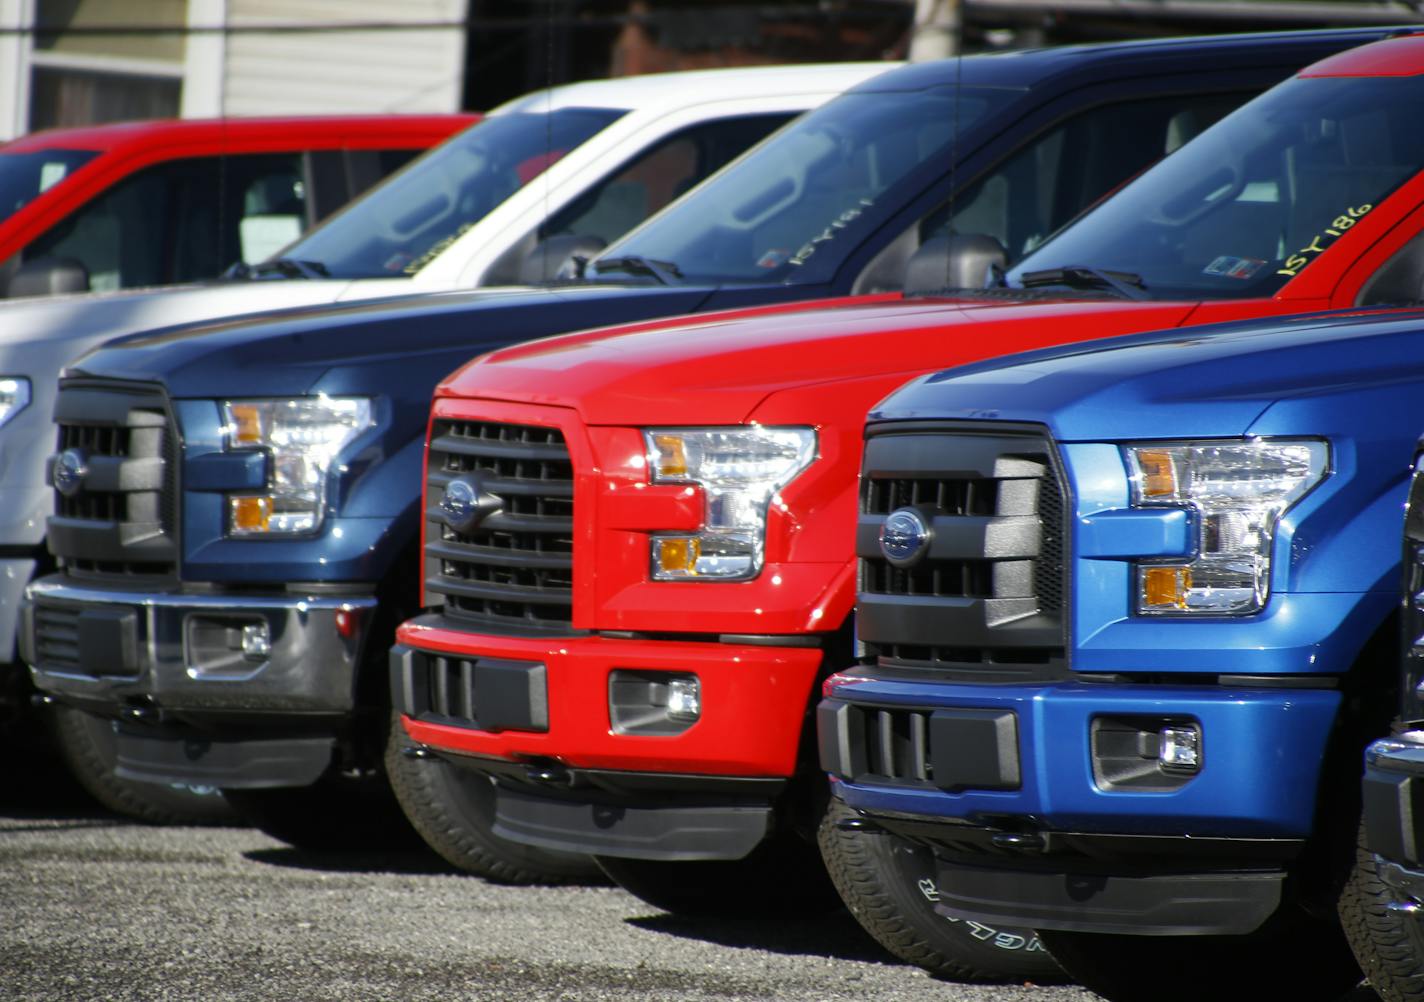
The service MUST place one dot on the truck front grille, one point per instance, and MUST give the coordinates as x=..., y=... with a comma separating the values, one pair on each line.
x=118, y=516
x=510, y=567
x=982, y=598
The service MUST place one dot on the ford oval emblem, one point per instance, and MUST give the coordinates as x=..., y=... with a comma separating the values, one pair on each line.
x=466, y=504
x=70, y=469
x=904, y=537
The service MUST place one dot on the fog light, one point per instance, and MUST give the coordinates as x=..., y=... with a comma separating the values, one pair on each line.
x=1179, y=748
x=684, y=699
x=256, y=641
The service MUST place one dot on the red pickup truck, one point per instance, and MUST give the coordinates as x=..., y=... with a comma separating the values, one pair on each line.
x=163, y=202
x=640, y=542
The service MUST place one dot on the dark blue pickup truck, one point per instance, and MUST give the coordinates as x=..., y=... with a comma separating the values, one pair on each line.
x=237, y=514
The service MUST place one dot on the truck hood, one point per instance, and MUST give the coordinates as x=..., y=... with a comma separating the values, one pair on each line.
x=341, y=349
x=1222, y=380
x=85, y=317
x=720, y=367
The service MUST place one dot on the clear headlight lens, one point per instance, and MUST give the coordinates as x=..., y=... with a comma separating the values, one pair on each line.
x=739, y=470
x=1237, y=491
x=304, y=437
x=14, y=396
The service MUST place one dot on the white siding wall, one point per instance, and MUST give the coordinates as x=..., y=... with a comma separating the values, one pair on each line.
x=339, y=71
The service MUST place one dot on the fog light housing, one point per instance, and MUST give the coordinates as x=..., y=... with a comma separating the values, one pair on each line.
x=256, y=641
x=684, y=699
x=1179, y=749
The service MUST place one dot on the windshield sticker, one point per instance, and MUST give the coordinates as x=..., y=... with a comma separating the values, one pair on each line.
x=829, y=233
x=436, y=249
x=773, y=258
x=1234, y=267
x=1322, y=240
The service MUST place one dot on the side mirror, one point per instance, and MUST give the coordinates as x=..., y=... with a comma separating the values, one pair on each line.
x=48, y=276
x=555, y=258
x=957, y=261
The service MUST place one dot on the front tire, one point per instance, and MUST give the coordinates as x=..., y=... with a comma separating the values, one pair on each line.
x=89, y=749
x=1388, y=943
x=1292, y=956
x=888, y=884
x=453, y=810
x=780, y=877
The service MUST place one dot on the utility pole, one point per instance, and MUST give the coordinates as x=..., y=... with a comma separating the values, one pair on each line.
x=936, y=31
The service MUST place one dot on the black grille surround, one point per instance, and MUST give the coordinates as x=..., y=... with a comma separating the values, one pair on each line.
x=121, y=523
x=512, y=572
x=985, y=601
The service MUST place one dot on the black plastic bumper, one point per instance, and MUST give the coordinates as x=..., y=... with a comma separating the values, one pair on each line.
x=1226, y=904
x=246, y=764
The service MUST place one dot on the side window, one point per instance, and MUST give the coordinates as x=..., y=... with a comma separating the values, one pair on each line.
x=657, y=177
x=182, y=221
x=1043, y=186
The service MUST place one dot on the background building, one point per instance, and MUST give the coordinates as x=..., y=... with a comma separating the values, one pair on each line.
x=70, y=62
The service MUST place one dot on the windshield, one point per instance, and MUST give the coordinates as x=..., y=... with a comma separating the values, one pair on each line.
x=795, y=206
x=399, y=227
x=25, y=175
x=1239, y=211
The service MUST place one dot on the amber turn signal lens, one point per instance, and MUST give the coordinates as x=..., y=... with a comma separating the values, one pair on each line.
x=678, y=555
x=246, y=424
x=1166, y=587
x=251, y=514
x=1159, y=477
x=671, y=457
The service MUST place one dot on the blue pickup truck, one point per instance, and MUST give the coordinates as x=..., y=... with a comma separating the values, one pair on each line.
x=237, y=521
x=1128, y=616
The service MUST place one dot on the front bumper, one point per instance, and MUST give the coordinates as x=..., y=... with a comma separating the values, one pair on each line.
x=1060, y=749
x=196, y=710
x=1394, y=800
x=1047, y=806
x=580, y=767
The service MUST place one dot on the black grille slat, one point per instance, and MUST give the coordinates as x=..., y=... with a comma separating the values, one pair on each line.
x=514, y=568
x=123, y=519
x=984, y=598
x=57, y=636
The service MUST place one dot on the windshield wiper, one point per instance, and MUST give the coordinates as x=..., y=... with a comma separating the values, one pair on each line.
x=286, y=267
x=663, y=271
x=1077, y=276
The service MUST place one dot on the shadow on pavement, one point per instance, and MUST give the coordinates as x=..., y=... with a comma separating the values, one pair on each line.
x=413, y=861
x=837, y=935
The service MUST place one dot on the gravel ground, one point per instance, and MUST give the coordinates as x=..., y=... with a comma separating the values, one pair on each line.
x=94, y=908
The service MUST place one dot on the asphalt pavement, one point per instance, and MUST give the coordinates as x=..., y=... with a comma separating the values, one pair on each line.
x=95, y=908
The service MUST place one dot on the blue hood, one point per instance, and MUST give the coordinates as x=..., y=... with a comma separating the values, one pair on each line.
x=362, y=348
x=1216, y=381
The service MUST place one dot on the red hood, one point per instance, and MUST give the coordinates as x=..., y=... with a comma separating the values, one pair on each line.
x=716, y=369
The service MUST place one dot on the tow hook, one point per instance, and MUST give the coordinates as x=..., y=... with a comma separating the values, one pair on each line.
x=416, y=751
x=862, y=825
x=1028, y=841
x=551, y=775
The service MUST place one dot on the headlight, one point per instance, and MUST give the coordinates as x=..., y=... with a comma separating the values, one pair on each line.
x=739, y=470
x=14, y=396
x=1237, y=491
x=304, y=437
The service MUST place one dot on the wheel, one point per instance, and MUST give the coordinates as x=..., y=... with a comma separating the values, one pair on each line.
x=781, y=877
x=453, y=810
x=89, y=749
x=1389, y=944
x=888, y=884
x=1292, y=956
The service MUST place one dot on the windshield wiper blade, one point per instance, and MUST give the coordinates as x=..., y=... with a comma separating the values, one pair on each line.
x=286, y=267
x=1078, y=276
x=663, y=271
